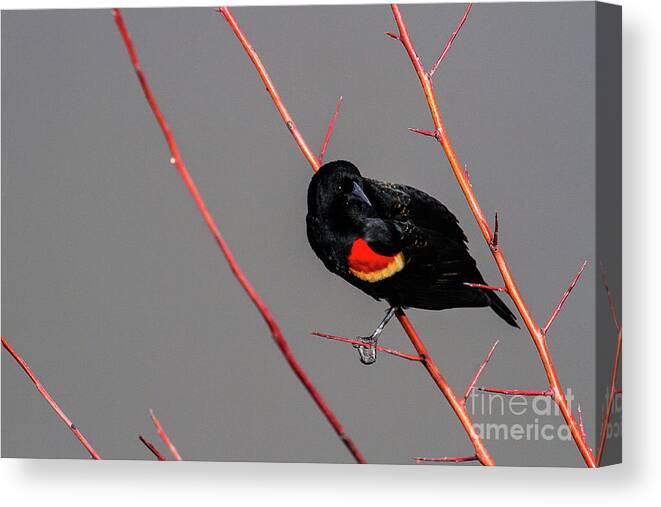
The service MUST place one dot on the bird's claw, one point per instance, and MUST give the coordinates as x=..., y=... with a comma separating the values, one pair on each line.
x=367, y=352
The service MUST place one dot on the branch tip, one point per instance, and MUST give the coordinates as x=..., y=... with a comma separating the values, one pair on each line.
x=450, y=41
x=329, y=131
x=494, y=237
x=152, y=448
x=564, y=297
x=482, y=286
x=479, y=371
x=164, y=436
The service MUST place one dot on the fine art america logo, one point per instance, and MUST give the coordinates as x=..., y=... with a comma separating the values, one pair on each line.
x=543, y=418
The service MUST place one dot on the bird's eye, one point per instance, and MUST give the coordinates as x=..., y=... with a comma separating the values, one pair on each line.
x=346, y=186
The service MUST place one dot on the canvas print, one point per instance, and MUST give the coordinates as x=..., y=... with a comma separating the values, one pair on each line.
x=345, y=234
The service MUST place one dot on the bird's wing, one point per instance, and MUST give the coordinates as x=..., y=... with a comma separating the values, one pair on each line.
x=407, y=204
x=385, y=237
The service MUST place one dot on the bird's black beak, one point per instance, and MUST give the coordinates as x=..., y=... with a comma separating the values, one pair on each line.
x=360, y=194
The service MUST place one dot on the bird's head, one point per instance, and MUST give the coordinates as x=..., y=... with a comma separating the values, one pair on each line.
x=336, y=192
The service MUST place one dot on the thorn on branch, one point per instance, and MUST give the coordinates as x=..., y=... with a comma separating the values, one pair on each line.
x=394, y=36
x=494, y=288
x=447, y=459
x=564, y=297
x=494, y=238
x=152, y=448
x=329, y=130
x=450, y=40
x=358, y=343
x=429, y=133
x=479, y=371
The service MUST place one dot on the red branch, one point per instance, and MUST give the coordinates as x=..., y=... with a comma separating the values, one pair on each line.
x=494, y=288
x=534, y=329
x=479, y=371
x=455, y=403
x=42, y=390
x=451, y=40
x=612, y=389
x=270, y=88
x=359, y=343
x=515, y=392
x=329, y=131
x=611, y=301
x=276, y=334
x=448, y=459
x=164, y=436
x=564, y=297
x=152, y=448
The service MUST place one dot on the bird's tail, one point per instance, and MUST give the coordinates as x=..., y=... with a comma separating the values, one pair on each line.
x=501, y=309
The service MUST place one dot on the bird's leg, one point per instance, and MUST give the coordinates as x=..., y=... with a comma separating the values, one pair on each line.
x=367, y=352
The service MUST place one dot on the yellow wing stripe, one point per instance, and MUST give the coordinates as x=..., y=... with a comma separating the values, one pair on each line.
x=395, y=266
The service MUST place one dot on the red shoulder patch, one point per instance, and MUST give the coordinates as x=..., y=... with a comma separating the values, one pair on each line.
x=370, y=266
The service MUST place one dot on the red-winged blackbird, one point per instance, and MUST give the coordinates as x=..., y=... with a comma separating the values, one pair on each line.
x=395, y=243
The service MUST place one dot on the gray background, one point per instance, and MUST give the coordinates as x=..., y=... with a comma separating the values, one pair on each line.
x=115, y=292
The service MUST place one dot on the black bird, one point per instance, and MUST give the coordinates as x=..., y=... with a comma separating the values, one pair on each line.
x=395, y=243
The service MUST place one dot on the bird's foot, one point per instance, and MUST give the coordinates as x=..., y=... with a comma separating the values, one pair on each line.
x=367, y=352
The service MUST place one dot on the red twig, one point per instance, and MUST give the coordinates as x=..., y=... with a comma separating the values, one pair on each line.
x=387, y=350
x=427, y=133
x=611, y=397
x=329, y=131
x=164, y=436
x=270, y=88
x=276, y=334
x=512, y=289
x=448, y=459
x=455, y=403
x=612, y=390
x=564, y=297
x=611, y=300
x=515, y=392
x=46, y=395
x=152, y=448
x=451, y=40
x=494, y=288
x=479, y=371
